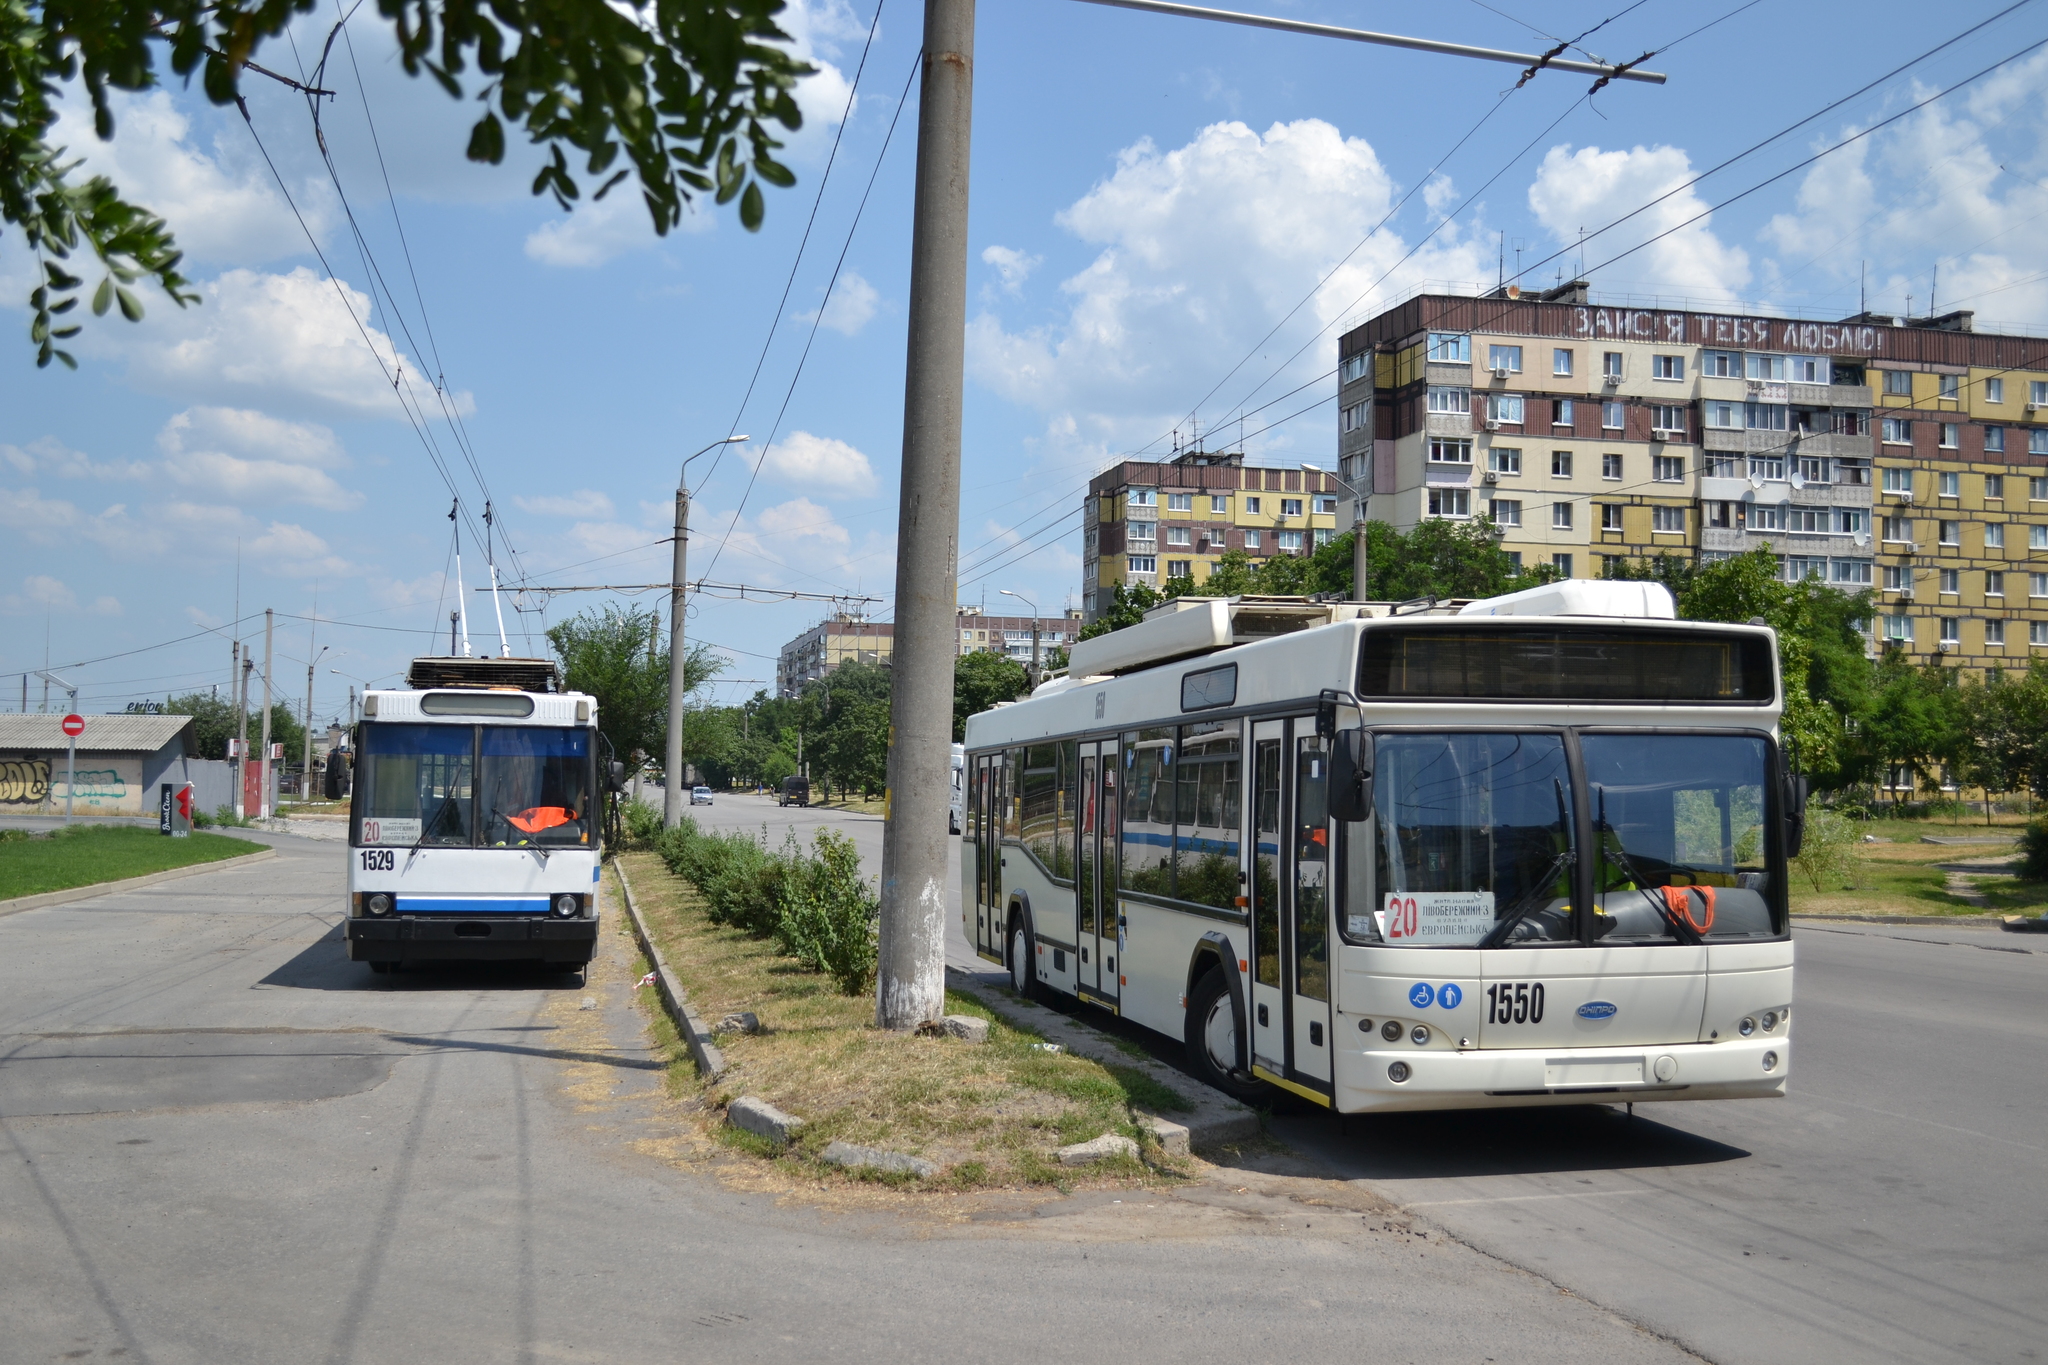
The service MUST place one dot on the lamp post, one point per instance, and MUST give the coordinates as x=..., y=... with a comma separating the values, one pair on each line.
x=1358, y=547
x=672, y=760
x=1034, y=631
x=306, y=766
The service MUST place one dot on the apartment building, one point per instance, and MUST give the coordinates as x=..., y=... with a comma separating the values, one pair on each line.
x=1895, y=454
x=844, y=638
x=1146, y=521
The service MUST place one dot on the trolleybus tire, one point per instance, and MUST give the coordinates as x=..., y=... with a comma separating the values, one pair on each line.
x=1023, y=971
x=1212, y=1028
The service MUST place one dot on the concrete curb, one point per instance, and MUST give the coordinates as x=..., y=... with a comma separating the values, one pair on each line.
x=1216, y=1118
x=710, y=1061
x=81, y=893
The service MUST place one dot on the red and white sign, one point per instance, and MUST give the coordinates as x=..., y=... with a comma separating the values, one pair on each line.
x=74, y=725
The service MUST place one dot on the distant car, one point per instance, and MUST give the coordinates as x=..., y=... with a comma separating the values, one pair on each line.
x=796, y=791
x=700, y=796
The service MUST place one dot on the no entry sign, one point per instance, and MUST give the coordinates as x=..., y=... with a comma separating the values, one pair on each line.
x=74, y=725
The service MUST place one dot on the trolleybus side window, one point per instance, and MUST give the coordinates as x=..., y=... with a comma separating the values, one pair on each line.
x=1683, y=842
x=1475, y=840
x=1206, y=821
x=1063, y=805
x=1148, y=812
x=1266, y=860
x=1311, y=869
x=1040, y=805
x=415, y=782
x=535, y=784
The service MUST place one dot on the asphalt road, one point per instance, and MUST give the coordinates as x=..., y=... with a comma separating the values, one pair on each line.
x=221, y=1142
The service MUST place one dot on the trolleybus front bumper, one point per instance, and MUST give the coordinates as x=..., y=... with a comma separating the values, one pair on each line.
x=501, y=938
x=1487, y=1078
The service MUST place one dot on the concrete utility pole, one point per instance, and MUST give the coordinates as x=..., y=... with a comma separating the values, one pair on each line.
x=263, y=770
x=1358, y=545
x=673, y=799
x=910, y=985
x=306, y=772
x=242, y=738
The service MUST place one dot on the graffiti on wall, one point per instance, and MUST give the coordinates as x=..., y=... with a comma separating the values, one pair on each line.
x=100, y=784
x=27, y=780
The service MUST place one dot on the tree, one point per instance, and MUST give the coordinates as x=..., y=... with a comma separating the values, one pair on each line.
x=214, y=723
x=982, y=679
x=618, y=656
x=691, y=91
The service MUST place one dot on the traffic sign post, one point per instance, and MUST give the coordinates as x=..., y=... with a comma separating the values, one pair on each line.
x=74, y=726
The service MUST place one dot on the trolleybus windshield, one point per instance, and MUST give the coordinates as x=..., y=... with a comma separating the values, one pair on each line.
x=462, y=786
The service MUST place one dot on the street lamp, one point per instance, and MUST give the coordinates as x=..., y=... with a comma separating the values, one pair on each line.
x=1358, y=556
x=672, y=794
x=1034, y=630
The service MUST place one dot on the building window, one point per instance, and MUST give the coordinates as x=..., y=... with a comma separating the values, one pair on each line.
x=1507, y=511
x=1721, y=365
x=1994, y=486
x=1560, y=464
x=1853, y=573
x=2037, y=632
x=1178, y=535
x=1898, y=629
x=1994, y=440
x=1610, y=515
x=1765, y=366
x=1667, y=417
x=1144, y=530
x=1811, y=469
x=1561, y=361
x=1451, y=348
x=2037, y=440
x=2037, y=585
x=1611, y=416
x=1141, y=497
x=1724, y=416
x=1950, y=483
x=2037, y=489
x=1610, y=365
x=1898, y=480
x=1994, y=535
x=1994, y=390
x=1852, y=521
x=1290, y=542
x=1764, y=517
x=1505, y=459
x=1994, y=634
x=1251, y=507
x=1448, y=452
x=1561, y=516
x=1324, y=535
x=1180, y=502
x=1357, y=416
x=1290, y=507
x=1809, y=369
x=1563, y=413
x=1450, y=402
x=1180, y=568
x=1855, y=472
x=2037, y=392
x=1667, y=468
x=1219, y=504
x=1808, y=521
x=1252, y=540
x=1801, y=567
x=1894, y=578
x=1951, y=435
x=1667, y=367
x=1514, y=561
x=1898, y=383
x=1610, y=466
x=1450, y=502
x=1504, y=407
x=1142, y=564
x=2037, y=537
x=1897, y=529
x=1768, y=468
x=1721, y=514
x=1952, y=580
x=1563, y=565
x=1325, y=504
x=1353, y=367
x=1994, y=583
x=1722, y=466
x=1951, y=386
x=1766, y=416
x=1508, y=358
x=1951, y=631
x=1668, y=519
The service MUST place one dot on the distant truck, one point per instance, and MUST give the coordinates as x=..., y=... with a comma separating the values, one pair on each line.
x=796, y=791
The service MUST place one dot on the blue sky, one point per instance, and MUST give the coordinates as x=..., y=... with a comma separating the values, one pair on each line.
x=1151, y=197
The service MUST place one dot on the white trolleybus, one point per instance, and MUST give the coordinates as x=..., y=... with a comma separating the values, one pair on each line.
x=474, y=829
x=1530, y=851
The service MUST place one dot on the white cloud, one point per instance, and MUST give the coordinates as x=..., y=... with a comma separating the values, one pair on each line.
x=819, y=30
x=1012, y=266
x=594, y=233
x=49, y=455
x=242, y=456
x=586, y=503
x=1205, y=248
x=822, y=462
x=800, y=519
x=40, y=592
x=1584, y=188
x=851, y=307
x=289, y=549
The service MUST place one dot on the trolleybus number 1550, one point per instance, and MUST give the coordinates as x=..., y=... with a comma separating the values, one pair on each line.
x=1514, y=1002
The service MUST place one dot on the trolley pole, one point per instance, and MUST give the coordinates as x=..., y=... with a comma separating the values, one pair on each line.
x=242, y=737
x=910, y=986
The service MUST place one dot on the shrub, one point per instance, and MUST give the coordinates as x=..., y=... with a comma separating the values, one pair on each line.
x=642, y=824
x=2034, y=850
x=1825, y=858
x=829, y=912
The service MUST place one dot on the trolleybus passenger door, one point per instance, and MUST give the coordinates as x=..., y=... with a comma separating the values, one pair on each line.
x=1087, y=859
x=1308, y=902
x=988, y=926
x=1263, y=860
x=1097, y=941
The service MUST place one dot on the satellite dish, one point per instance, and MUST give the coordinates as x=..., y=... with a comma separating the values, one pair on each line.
x=1798, y=479
x=1862, y=538
x=1756, y=480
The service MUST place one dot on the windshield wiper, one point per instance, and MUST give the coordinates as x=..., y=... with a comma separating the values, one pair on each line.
x=1680, y=930
x=1518, y=912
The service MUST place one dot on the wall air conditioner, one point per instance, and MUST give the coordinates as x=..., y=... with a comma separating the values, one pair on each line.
x=1492, y=476
x=1500, y=372
x=1492, y=426
x=1608, y=381
x=1905, y=495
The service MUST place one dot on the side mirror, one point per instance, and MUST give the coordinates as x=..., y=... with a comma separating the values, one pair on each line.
x=1797, y=789
x=615, y=776
x=1326, y=714
x=1351, y=776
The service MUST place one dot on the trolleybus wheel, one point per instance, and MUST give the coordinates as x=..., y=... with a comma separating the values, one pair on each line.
x=1023, y=973
x=1211, y=1036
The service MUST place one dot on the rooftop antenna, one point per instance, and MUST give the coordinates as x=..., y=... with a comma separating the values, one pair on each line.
x=1501, y=258
x=1934, y=289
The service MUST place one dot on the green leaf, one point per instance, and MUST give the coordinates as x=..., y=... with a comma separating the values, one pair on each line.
x=103, y=297
x=65, y=356
x=774, y=172
x=487, y=140
x=65, y=306
x=131, y=307
x=752, y=209
x=73, y=330
x=59, y=279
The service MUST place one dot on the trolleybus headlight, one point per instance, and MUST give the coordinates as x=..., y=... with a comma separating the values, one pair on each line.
x=1398, y=1072
x=566, y=906
x=1770, y=1061
x=1391, y=1030
x=1770, y=1020
x=1420, y=1035
x=378, y=904
x=1746, y=1027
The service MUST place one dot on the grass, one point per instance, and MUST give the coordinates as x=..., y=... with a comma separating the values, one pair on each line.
x=1903, y=876
x=988, y=1115
x=86, y=855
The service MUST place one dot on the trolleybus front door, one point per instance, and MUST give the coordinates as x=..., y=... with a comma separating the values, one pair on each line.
x=1308, y=903
x=1288, y=879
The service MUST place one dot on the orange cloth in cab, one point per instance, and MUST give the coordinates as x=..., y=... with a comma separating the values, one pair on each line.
x=538, y=818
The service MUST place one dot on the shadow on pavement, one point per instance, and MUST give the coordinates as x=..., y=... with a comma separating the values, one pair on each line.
x=1492, y=1142
x=324, y=966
